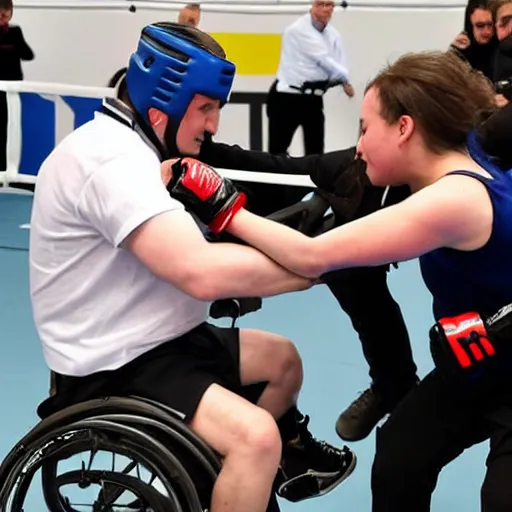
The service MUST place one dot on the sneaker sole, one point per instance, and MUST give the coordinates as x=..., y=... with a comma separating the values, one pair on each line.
x=333, y=486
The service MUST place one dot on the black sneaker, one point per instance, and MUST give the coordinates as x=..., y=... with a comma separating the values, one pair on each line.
x=311, y=468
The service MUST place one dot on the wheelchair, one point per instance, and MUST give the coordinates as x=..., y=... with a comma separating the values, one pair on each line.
x=170, y=468
x=153, y=436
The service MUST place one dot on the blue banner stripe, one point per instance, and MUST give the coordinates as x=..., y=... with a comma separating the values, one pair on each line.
x=38, y=131
x=83, y=108
x=38, y=121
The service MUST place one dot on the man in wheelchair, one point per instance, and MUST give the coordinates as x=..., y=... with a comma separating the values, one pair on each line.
x=121, y=278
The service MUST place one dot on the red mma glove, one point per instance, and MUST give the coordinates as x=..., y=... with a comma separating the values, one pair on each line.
x=203, y=191
x=467, y=346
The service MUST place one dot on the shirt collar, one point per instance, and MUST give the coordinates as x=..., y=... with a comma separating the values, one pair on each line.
x=318, y=26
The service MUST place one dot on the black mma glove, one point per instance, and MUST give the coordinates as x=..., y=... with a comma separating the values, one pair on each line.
x=341, y=181
x=203, y=191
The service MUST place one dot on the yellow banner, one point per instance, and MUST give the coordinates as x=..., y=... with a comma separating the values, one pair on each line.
x=253, y=54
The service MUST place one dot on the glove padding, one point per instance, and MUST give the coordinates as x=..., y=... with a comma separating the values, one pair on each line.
x=466, y=346
x=203, y=191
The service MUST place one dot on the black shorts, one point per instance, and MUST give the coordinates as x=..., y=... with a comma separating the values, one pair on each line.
x=176, y=374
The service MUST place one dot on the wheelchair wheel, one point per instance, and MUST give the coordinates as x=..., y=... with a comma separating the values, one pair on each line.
x=169, y=469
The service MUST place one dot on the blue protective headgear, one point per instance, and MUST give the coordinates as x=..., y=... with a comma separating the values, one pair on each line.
x=172, y=65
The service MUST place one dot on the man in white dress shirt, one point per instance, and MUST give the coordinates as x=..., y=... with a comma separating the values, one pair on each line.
x=313, y=59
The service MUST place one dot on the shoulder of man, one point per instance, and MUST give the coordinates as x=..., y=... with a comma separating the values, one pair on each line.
x=297, y=25
x=333, y=31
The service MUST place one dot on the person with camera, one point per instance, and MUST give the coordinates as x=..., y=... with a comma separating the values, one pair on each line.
x=502, y=61
x=477, y=42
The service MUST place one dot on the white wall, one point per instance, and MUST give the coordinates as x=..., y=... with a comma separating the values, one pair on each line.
x=85, y=46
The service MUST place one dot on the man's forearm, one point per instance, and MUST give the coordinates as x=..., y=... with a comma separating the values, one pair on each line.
x=229, y=270
x=336, y=70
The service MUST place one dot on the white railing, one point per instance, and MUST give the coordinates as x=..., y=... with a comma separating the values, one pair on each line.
x=238, y=6
x=34, y=127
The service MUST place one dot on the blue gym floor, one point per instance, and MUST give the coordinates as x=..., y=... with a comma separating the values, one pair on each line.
x=335, y=371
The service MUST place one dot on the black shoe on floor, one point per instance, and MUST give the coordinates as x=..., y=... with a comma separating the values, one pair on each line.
x=311, y=468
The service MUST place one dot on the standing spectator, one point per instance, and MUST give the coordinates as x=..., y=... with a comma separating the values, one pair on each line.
x=478, y=42
x=13, y=49
x=190, y=15
x=502, y=63
x=313, y=59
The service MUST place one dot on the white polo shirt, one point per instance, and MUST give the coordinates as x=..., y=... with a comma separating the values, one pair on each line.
x=310, y=55
x=96, y=306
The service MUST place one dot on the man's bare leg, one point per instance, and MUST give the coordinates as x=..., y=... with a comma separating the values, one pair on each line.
x=248, y=438
x=266, y=356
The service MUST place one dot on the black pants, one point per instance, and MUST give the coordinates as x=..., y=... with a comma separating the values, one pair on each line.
x=432, y=426
x=286, y=112
x=363, y=294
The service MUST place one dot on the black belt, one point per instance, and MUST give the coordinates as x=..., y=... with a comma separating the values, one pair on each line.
x=318, y=88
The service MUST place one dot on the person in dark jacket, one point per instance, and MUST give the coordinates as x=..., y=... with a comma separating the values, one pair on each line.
x=13, y=50
x=502, y=61
x=363, y=293
x=477, y=43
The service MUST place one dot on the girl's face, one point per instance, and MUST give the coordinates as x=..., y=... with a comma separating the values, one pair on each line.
x=379, y=142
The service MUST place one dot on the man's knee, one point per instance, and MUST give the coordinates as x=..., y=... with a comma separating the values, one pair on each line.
x=285, y=365
x=270, y=357
x=255, y=443
x=259, y=435
x=238, y=429
x=289, y=363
